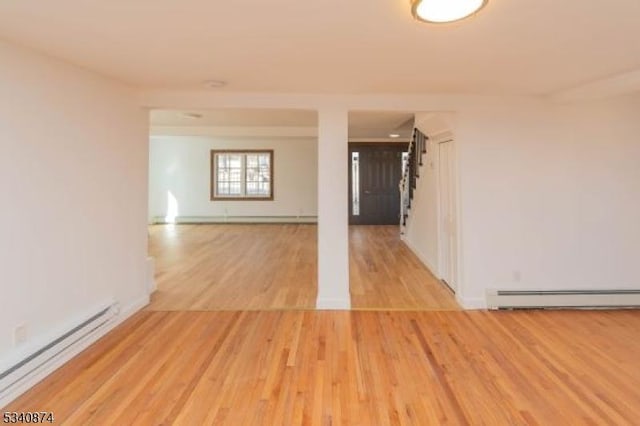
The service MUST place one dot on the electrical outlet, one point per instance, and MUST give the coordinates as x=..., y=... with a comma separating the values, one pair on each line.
x=116, y=309
x=20, y=334
x=517, y=276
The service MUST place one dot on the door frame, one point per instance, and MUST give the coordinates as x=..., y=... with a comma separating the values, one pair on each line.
x=352, y=146
x=453, y=252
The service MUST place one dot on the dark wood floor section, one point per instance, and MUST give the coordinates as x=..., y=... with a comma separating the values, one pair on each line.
x=354, y=368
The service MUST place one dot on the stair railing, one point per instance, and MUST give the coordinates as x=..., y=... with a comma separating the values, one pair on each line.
x=411, y=167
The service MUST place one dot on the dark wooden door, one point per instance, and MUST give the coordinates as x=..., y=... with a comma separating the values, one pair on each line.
x=375, y=187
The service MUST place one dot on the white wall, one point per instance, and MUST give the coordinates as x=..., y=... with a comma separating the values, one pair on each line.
x=548, y=194
x=550, y=197
x=180, y=165
x=73, y=176
x=421, y=232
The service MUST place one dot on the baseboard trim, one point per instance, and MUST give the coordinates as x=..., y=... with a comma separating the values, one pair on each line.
x=72, y=351
x=472, y=303
x=325, y=304
x=419, y=255
x=151, y=274
x=563, y=299
x=235, y=219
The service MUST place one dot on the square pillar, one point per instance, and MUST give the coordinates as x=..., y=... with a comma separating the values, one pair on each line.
x=333, y=209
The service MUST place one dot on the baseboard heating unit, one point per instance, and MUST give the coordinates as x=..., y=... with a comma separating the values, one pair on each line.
x=559, y=299
x=19, y=374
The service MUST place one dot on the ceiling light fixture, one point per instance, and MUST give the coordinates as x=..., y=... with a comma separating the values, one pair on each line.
x=394, y=135
x=442, y=11
x=214, y=84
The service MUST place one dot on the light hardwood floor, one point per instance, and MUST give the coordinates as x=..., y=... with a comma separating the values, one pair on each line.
x=385, y=274
x=353, y=368
x=234, y=267
x=253, y=267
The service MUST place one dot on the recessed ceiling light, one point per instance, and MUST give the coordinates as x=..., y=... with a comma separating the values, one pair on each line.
x=394, y=135
x=214, y=84
x=192, y=115
x=441, y=11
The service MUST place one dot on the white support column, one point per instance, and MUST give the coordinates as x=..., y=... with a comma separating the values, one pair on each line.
x=333, y=209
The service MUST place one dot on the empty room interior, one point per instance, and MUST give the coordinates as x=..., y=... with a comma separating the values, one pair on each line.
x=394, y=212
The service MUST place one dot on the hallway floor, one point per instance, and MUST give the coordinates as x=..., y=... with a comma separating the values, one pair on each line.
x=385, y=274
x=274, y=266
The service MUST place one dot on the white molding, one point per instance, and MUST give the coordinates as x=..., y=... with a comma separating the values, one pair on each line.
x=472, y=303
x=152, y=285
x=442, y=137
x=72, y=351
x=237, y=219
x=522, y=298
x=617, y=85
x=381, y=140
x=326, y=304
x=467, y=303
x=419, y=255
x=435, y=124
x=236, y=132
x=36, y=342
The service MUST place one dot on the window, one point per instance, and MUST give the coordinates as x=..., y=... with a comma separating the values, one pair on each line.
x=242, y=175
x=405, y=159
x=355, y=183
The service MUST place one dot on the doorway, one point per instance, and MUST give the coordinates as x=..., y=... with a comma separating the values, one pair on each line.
x=385, y=272
x=233, y=209
x=375, y=170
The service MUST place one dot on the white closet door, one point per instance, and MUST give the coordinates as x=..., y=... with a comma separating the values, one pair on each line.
x=447, y=240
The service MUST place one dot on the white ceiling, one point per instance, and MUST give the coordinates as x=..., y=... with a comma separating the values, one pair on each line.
x=334, y=46
x=375, y=125
x=363, y=125
x=235, y=117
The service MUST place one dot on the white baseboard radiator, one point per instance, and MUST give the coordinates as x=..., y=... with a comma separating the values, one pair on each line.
x=18, y=375
x=562, y=299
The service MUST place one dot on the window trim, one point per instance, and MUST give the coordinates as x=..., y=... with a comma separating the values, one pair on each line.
x=213, y=176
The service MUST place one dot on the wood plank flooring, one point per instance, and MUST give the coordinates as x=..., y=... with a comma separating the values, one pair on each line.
x=258, y=267
x=385, y=274
x=353, y=368
x=234, y=267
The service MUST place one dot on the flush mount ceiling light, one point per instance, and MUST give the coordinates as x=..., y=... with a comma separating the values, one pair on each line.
x=214, y=84
x=442, y=11
x=394, y=135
